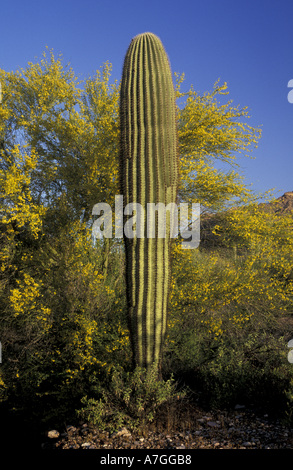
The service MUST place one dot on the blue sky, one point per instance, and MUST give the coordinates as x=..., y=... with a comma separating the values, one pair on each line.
x=248, y=44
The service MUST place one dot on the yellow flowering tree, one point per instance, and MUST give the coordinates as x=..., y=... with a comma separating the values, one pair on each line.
x=212, y=134
x=75, y=134
x=59, y=147
x=231, y=303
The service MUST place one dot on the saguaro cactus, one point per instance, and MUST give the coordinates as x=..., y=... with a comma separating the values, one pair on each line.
x=149, y=174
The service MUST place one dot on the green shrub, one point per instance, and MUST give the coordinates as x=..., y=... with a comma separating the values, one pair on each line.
x=230, y=322
x=132, y=399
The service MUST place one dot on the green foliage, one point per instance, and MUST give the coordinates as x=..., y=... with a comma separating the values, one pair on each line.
x=63, y=309
x=230, y=314
x=63, y=324
x=253, y=371
x=132, y=399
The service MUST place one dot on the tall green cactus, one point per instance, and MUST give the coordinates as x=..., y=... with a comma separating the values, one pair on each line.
x=149, y=174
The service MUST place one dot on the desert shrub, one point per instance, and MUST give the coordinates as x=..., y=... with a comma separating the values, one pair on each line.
x=253, y=372
x=230, y=312
x=131, y=399
x=63, y=326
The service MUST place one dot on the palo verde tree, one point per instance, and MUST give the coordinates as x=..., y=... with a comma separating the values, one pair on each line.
x=73, y=132
x=59, y=156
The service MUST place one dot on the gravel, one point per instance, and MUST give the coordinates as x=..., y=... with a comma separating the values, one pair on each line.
x=238, y=429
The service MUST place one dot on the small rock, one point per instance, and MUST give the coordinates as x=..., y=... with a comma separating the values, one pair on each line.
x=86, y=445
x=122, y=432
x=53, y=434
x=213, y=424
x=71, y=428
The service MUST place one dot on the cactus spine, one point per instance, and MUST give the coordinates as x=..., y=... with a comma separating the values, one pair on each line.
x=149, y=174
